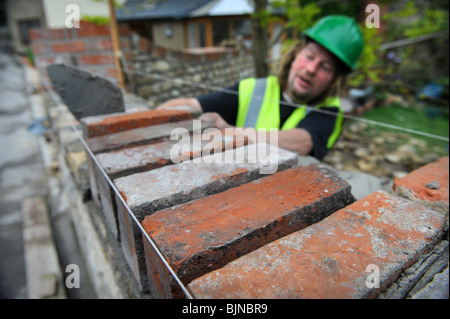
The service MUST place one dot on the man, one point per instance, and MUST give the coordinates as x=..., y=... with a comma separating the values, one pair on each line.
x=302, y=101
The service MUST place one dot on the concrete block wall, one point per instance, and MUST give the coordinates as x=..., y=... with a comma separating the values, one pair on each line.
x=229, y=231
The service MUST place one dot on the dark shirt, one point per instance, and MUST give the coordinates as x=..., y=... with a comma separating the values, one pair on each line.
x=319, y=125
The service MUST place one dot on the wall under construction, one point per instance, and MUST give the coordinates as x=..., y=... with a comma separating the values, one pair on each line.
x=228, y=231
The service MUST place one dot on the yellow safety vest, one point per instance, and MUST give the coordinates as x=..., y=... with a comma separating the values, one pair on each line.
x=259, y=107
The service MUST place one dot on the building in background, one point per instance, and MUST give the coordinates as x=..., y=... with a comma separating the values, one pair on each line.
x=22, y=15
x=172, y=24
x=181, y=24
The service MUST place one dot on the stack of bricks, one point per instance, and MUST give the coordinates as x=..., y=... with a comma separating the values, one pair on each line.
x=230, y=230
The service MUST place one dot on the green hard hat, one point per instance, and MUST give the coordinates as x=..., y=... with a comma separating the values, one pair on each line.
x=341, y=36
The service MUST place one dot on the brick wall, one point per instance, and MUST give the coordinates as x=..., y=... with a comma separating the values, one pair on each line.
x=88, y=47
x=228, y=231
x=256, y=230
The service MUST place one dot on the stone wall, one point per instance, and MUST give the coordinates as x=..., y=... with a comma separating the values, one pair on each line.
x=159, y=80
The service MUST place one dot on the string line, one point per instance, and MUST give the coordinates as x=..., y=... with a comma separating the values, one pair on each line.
x=310, y=108
x=56, y=99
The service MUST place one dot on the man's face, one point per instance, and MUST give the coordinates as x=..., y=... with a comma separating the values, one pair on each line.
x=312, y=72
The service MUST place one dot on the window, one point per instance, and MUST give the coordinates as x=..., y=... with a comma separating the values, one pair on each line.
x=24, y=29
x=242, y=27
x=169, y=31
x=221, y=31
x=197, y=37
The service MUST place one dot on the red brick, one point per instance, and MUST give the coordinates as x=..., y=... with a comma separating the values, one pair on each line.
x=98, y=44
x=39, y=48
x=88, y=29
x=70, y=46
x=121, y=163
x=94, y=59
x=329, y=259
x=46, y=34
x=205, y=234
x=414, y=185
x=147, y=157
x=104, y=44
x=94, y=126
x=143, y=135
x=178, y=184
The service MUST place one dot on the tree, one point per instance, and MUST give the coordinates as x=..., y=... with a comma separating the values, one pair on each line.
x=299, y=18
x=260, y=37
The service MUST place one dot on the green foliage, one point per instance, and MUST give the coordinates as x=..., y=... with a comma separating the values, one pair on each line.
x=365, y=72
x=265, y=17
x=411, y=20
x=299, y=16
x=424, y=20
x=432, y=21
x=116, y=3
x=30, y=55
x=98, y=20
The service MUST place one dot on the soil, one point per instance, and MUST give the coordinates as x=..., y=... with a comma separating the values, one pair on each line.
x=388, y=154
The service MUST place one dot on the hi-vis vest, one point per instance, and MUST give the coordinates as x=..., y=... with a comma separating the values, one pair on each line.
x=259, y=107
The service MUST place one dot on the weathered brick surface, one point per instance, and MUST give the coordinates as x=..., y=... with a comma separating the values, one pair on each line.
x=146, y=157
x=427, y=185
x=129, y=160
x=329, y=259
x=143, y=135
x=113, y=123
x=161, y=188
x=207, y=233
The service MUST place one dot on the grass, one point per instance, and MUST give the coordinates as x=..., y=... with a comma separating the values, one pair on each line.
x=425, y=118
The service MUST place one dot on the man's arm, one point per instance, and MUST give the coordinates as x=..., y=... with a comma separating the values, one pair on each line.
x=296, y=140
x=192, y=102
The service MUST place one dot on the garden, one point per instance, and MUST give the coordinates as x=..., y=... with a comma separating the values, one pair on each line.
x=400, y=90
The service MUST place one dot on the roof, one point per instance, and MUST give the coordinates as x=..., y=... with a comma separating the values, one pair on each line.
x=157, y=9
x=224, y=8
x=180, y=9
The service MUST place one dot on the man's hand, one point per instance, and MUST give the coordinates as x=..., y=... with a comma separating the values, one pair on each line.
x=180, y=102
x=296, y=140
x=215, y=118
